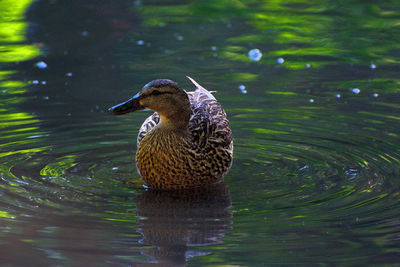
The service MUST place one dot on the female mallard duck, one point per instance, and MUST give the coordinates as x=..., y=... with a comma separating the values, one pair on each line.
x=187, y=142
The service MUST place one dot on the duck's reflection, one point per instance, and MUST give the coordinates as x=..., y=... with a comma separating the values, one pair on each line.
x=173, y=221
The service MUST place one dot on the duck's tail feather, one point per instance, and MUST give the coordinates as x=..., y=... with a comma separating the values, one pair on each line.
x=201, y=88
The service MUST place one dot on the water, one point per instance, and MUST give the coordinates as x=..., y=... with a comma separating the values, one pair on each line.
x=316, y=173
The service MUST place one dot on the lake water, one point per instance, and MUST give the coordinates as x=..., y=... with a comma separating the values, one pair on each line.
x=312, y=92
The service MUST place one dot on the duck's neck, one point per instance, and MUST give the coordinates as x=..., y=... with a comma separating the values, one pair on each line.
x=176, y=121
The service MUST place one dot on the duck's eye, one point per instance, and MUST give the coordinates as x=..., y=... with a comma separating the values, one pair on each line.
x=156, y=92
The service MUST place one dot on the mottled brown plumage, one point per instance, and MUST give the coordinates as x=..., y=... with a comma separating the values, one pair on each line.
x=187, y=142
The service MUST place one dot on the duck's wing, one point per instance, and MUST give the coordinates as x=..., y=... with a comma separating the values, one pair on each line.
x=208, y=123
x=148, y=125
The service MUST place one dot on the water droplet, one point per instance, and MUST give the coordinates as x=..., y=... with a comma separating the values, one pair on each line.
x=338, y=96
x=44, y=82
x=308, y=66
x=69, y=74
x=372, y=66
x=304, y=167
x=85, y=33
x=213, y=48
x=115, y=168
x=140, y=42
x=242, y=88
x=179, y=38
x=41, y=65
x=69, y=114
x=356, y=91
x=311, y=100
x=375, y=95
x=35, y=82
x=255, y=54
x=46, y=98
x=215, y=55
x=280, y=60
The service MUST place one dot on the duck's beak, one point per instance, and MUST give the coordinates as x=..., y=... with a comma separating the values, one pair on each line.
x=128, y=106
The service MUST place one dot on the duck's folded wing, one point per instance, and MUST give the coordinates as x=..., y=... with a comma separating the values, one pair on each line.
x=209, y=123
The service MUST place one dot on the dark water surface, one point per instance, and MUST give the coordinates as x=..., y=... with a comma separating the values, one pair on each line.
x=315, y=115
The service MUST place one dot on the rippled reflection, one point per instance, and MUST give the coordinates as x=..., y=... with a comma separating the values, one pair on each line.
x=175, y=221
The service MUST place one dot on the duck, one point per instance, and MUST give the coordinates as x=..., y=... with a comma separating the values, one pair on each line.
x=187, y=142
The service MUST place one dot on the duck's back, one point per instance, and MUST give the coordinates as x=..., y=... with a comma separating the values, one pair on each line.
x=208, y=122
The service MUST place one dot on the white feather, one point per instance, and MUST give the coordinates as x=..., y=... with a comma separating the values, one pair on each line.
x=201, y=88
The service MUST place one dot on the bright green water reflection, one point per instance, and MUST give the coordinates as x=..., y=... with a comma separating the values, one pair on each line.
x=314, y=111
x=13, y=30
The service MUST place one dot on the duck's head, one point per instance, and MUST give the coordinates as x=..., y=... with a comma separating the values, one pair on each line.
x=163, y=96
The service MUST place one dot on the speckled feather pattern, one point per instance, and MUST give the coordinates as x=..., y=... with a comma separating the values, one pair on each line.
x=201, y=156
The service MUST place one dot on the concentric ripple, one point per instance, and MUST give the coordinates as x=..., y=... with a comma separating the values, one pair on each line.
x=318, y=172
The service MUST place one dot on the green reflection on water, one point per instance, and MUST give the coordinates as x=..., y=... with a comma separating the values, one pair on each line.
x=5, y=214
x=268, y=131
x=16, y=53
x=13, y=30
x=17, y=125
x=299, y=31
x=58, y=168
x=156, y=15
